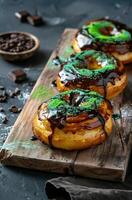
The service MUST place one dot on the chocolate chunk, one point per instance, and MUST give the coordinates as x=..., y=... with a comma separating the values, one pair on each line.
x=2, y=109
x=17, y=91
x=35, y=20
x=33, y=138
x=11, y=94
x=17, y=75
x=3, y=96
x=4, y=120
x=14, y=109
x=2, y=87
x=22, y=15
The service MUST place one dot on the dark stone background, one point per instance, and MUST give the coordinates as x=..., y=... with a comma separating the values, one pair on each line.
x=21, y=184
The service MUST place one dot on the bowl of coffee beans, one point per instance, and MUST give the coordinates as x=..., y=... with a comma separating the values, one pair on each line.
x=18, y=45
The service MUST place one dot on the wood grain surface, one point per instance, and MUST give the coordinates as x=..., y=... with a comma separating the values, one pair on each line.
x=107, y=161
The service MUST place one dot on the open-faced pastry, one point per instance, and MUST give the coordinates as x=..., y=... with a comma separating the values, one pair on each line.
x=105, y=35
x=75, y=119
x=93, y=70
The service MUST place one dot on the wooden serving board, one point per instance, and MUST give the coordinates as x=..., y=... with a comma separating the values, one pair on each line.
x=106, y=161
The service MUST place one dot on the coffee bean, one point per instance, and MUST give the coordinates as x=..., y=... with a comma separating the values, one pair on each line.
x=13, y=35
x=16, y=42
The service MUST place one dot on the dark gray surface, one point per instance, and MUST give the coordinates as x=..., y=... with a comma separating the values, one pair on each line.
x=20, y=184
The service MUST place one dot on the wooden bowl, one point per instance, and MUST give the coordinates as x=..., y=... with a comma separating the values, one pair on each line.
x=19, y=56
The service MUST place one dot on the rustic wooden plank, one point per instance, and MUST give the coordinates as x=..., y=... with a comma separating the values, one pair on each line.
x=107, y=161
x=18, y=149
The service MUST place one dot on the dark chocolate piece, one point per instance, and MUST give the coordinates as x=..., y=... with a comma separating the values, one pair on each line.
x=3, y=96
x=12, y=94
x=33, y=138
x=17, y=91
x=5, y=120
x=17, y=75
x=14, y=109
x=2, y=109
x=2, y=87
x=35, y=20
x=22, y=15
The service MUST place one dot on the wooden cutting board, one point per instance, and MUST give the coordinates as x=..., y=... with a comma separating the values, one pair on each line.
x=107, y=161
